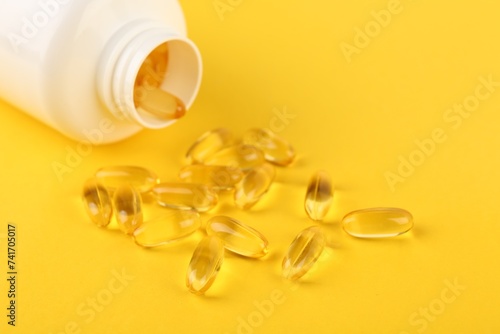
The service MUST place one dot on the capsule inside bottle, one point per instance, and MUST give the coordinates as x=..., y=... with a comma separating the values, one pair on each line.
x=377, y=222
x=160, y=104
x=151, y=101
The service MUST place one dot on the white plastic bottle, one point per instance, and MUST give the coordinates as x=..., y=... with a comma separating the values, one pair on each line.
x=73, y=63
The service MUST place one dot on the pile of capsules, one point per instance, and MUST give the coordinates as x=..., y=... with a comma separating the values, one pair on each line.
x=156, y=214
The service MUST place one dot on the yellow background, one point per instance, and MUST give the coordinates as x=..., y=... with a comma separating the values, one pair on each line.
x=355, y=119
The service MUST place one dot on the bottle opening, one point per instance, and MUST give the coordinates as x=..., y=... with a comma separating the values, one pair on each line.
x=166, y=83
x=149, y=74
x=151, y=101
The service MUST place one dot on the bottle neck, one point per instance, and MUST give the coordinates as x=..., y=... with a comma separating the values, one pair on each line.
x=127, y=54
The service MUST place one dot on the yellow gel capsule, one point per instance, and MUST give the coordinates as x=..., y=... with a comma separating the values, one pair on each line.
x=238, y=156
x=204, y=265
x=159, y=103
x=238, y=237
x=128, y=208
x=217, y=177
x=159, y=60
x=140, y=178
x=170, y=226
x=253, y=186
x=276, y=149
x=303, y=253
x=208, y=144
x=152, y=71
x=319, y=196
x=150, y=100
x=377, y=222
x=97, y=203
x=185, y=196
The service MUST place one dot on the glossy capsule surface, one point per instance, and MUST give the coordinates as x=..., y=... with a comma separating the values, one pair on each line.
x=140, y=178
x=319, y=196
x=204, y=265
x=238, y=238
x=208, y=144
x=128, y=208
x=170, y=226
x=253, y=186
x=97, y=202
x=185, y=196
x=240, y=156
x=303, y=253
x=150, y=100
x=159, y=104
x=217, y=177
x=276, y=149
x=154, y=68
x=377, y=222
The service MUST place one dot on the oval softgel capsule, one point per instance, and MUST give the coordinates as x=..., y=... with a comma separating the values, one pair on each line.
x=319, y=196
x=240, y=156
x=170, y=226
x=254, y=185
x=377, y=222
x=204, y=265
x=112, y=177
x=216, y=177
x=208, y=144
x=185, y=196
x=238, y=238
x=97, y=203
x=128, y=208
x=303, y=253
x=276, y=149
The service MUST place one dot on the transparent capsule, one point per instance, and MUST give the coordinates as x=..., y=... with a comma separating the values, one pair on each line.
x=303, y=253
x=170, y=226
x=152, y=71
x=276, y=149
x=159, y=60
x=253, y=186
x=140, y=178
x=377, y=222
x=217, y=177
x=97, y=203
x=158, y=103
x=244, y=157
x=319, y=196
x=150, y=100
x=185, y=196
x=128, y=208
x=208, y=144
x=238, y=237
x=204, y=265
